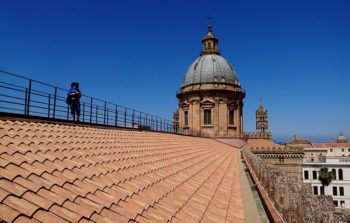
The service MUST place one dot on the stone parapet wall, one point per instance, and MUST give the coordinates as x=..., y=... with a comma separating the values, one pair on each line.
x=258, y=135
x=294, y=201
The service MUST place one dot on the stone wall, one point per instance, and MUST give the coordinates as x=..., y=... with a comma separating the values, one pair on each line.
x=293, y=200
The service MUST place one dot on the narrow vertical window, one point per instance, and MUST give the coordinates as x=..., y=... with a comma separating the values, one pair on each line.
x=315, y=190
x=209, y=45
x=335, y=203
x=342, y=204
x=231, y=115
x=340, y=174
x=314, y=175
x=186, y=118
x=341, y=191
x=322, y=190
x=335, y=191
x=207, y=117
x=306, y=174
x=334, y=174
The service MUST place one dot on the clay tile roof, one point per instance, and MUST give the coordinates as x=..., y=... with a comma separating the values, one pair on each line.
x=64, y=173
x=331, y=144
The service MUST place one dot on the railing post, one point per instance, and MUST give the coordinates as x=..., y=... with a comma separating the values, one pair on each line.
x=49, y=106
x=90, y=110
x=28, y=98
x=125, y=117
x=139, y=120
x=54, y=103
x=104, y=114
x=83, y=111
x=147, y=120
x=67, y=112
x=96, y=113
x=25, y=101
x=116, y=115
x=133, y=117
x=107, y=117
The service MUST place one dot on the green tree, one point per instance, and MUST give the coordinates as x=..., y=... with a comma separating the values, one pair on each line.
x=325, y=176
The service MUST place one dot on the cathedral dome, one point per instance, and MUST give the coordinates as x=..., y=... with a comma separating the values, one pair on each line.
x=210, y=67
x=341, y=138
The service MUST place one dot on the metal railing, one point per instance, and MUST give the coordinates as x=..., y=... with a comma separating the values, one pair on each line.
x=23, y=96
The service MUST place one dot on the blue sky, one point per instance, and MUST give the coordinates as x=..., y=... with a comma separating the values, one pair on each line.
x=295, y=55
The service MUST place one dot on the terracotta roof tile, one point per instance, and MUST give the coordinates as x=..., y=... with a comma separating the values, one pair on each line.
x=7, y=213
x=67, y=173
x=330, y=144
x=21, y=205
x=45, y=216
x=25, y=219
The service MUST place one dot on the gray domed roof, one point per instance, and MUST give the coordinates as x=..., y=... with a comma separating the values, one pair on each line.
x=210, y=68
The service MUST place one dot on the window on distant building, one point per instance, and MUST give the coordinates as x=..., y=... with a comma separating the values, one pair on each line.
x=320, y=154
x=348, y=150
x=207, y=117
x=343, y=155
x=315, y=190
x=231, y=115
x=331, y=150
x=314, y=174
x=186, y=118
x=340, y=174
x=312, y=154
x=342, y=204
x=341, y=191
x=335, y=192
x=306, y=174
x=342, y=150
x=334, y=173
x=322, y=190
x=312, y=160
x=335, y=203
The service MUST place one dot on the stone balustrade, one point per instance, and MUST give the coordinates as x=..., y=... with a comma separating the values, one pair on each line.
x=294, y=201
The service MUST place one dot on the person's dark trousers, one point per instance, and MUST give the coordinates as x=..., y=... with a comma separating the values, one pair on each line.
x=75, y=109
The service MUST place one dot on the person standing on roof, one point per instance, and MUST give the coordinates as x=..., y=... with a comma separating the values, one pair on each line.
x=73, y=99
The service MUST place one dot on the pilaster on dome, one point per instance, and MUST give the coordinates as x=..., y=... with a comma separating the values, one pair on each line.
x=210, y=43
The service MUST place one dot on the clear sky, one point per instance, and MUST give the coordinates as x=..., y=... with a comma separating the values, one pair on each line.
x=295, y=55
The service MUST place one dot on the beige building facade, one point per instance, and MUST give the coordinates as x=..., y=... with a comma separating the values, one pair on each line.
x=210, y=97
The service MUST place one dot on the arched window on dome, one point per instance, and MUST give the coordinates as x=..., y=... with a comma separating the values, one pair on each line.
x=209, y=46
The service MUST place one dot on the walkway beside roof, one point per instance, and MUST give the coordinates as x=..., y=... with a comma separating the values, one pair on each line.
x=253, y=208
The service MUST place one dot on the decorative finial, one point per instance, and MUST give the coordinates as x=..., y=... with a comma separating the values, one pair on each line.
x=261, y=105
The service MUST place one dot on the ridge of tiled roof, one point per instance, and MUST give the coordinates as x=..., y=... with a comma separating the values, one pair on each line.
x=65, y=173
x=235, y=142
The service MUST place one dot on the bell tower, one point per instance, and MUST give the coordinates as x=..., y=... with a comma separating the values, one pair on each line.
x=261, y=119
